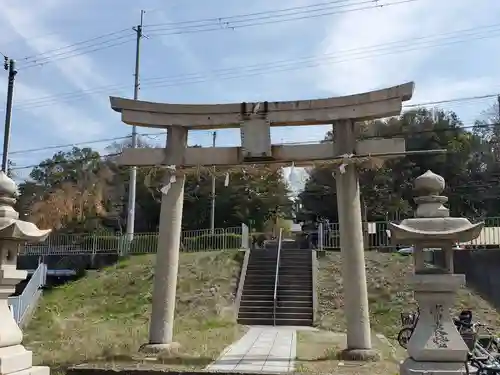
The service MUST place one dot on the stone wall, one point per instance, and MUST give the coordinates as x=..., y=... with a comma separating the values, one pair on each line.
x=73, y=262
x=481, y=269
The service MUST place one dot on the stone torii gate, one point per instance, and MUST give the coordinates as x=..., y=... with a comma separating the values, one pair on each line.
x=254, y=121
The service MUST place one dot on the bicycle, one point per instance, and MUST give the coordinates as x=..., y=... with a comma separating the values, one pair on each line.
x=489, y=342
x=480, y=357
x=484, y=365
x=409, y=322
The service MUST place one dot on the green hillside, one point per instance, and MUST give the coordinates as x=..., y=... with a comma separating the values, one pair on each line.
x=105, y=315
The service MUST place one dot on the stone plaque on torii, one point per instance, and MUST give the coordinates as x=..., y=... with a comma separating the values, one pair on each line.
x=255, y=121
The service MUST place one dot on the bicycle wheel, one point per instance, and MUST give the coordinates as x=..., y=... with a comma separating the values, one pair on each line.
x=495, y=347
x=404, y=336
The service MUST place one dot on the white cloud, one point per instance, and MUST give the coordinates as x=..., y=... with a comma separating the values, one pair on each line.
x=66, y=121
x=388, y=24
x=180, y=45
x=27, y=22
x=446, y=88
x=62, y=120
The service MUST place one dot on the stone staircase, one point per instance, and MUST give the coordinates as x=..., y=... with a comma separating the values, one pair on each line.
x=295, y=287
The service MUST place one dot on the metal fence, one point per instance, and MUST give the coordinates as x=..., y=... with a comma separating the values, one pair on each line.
x=143, y=243
x=20, y=305
x=377, y=235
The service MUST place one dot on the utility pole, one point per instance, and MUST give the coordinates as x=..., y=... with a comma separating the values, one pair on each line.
x=10, y=66
x=212, y=217
x=495, y=131
x=498, y=101
x=133, y=169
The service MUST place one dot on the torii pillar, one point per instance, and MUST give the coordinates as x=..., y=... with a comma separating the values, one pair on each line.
x=352, y=248
x=255, y=121
x=161, y=326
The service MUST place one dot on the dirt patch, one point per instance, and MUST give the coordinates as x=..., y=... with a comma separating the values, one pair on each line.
x=318, y=352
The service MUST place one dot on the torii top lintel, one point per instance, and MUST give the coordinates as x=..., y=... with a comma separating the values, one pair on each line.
x=370, y=105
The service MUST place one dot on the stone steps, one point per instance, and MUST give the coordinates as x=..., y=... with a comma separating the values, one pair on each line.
x=294, y=305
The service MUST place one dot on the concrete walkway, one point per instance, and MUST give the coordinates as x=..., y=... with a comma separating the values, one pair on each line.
x=262, y=349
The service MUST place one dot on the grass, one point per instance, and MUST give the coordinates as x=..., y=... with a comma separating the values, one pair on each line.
x=318, y=353
x=104, y=317
x=388, y=294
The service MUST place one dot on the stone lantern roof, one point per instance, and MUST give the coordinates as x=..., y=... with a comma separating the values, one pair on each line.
x=432, y=222
x=10, y=226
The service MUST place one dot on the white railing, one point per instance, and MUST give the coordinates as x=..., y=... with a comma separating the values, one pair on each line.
x=21, y=304
x=233, y=238
x=276, y=276
x=321, y=236
x=245, y=237
x=377, y=236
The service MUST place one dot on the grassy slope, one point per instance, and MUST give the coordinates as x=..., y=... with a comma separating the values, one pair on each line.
x=389, y=294
x=105, y=315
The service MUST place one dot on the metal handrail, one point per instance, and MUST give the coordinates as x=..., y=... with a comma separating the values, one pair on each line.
x=20, y=304
x=275, y=298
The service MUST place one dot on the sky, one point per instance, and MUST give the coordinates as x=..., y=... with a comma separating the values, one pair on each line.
x=233, y=51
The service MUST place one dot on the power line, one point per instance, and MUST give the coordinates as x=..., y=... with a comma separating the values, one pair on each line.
x=84, y=143
x=384, y=49
x=63, y=56
x=213, y=21
x=113, y=139
x=42, y=54
x=188, y=29
x=409, y=132
x=478, y=97
x=228, y=18
x=272, y=19
x=84, y=159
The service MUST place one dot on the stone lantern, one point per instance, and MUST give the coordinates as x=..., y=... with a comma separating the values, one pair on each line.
x=435, y=345
x=14, y=358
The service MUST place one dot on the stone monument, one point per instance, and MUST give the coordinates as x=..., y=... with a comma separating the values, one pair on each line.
x=14, y=358
x=435, y=345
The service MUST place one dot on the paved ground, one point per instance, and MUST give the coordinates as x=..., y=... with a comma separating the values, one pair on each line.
x=262, y=349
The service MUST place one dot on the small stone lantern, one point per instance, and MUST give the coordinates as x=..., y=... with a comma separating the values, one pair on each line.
x=435, y=345
x=14, y=358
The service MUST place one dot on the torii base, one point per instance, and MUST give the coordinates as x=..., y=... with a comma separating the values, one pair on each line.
x=366, y=355
x=155, y=349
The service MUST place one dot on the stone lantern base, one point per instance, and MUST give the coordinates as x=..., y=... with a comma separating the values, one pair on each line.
x=435, y=338
x=16, y=360
x=435, y=346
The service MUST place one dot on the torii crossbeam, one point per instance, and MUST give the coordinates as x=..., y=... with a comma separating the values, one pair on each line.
x=255, y=121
